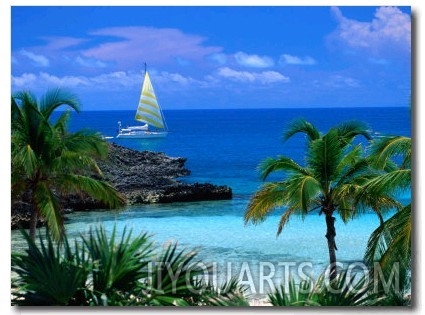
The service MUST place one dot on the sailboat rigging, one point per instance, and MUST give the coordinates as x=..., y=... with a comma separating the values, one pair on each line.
x=149, y=113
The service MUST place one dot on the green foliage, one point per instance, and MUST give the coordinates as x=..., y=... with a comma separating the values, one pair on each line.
x=332, y=163
x=49, y=273
x=102, y=270
x=326, y=181
x=172, y=276
x=230, y=293
x=391, y=243
x=49, y=162
x=396, y=233
x=344, y=290
x=117, y=264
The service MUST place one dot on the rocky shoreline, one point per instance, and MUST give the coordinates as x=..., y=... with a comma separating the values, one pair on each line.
x=142, y=177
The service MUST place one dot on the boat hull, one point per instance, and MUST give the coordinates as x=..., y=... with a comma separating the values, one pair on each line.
x=143, y=135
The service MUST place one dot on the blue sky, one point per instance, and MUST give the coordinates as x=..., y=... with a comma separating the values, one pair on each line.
x=216, y=57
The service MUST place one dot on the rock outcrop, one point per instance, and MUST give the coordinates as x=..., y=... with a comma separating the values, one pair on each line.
x=142, y=177
x=150, y=177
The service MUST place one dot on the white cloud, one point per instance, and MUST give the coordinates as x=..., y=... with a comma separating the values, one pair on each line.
x=178, y=78
x=338, y=81
x=61, y=42
x=116, y=80
x=90, y=62
x=263, y=77
x=37, y=60
x=24, y=80
x=70, y=81
x=389, y=28
x=108, y=81
x=132, y=45
x=254, y=61
x=295, y=60
x=129, y=81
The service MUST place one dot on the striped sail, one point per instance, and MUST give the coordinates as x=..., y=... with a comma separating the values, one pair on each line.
x=148, y=110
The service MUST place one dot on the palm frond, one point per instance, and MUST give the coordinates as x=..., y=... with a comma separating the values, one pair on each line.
x=281, y=163
x=55, y=98
x=119, y=265
x=61, y=124
x=345, y=290
x=358, y=172
x=293, y=295
x=301, y=192
x=301, y=126
x=386, y=148
x=26, y=161
x=173, y=274
x=391, y=241
x=89, y=142
x=323, y=158
x=49, y=208
x=269, y=197
x=74, y=162
x=353, y=155
x=347, y=131
x=388, y=183
x=49, y=273
x=230, y=293
x=98, y=190
x=284, y=219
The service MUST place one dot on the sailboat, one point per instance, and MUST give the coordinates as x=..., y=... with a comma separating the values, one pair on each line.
x=149, y=113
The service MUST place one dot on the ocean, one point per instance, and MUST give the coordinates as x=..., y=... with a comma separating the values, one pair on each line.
x=224, y=147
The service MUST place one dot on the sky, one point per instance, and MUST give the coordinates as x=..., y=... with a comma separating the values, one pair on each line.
x=215, y=56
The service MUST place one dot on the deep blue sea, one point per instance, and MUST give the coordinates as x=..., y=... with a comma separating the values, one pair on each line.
x=224, y=147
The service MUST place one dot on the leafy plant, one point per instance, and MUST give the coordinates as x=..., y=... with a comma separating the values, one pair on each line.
x=49, y=162
x=327, y=181
x=108, y=270
x=344, y=290
x=117, y=264
x=49, y=273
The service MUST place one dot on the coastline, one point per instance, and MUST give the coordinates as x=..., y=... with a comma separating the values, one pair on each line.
x=143, y=177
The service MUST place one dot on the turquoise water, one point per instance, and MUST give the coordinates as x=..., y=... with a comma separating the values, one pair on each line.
x=224, y=147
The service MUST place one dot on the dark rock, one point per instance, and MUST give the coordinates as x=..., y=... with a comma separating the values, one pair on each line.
x=142, y=177
x=195, y=192
x=150, y=177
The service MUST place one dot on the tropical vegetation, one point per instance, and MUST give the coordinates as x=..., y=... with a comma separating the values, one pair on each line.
x=334, y=169
x=342, y=176
x=389, y=247
x=347, y=289
x=115, y=270
x=49, y=162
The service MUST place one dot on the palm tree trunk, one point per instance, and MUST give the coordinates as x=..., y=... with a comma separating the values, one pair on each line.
x=330, y=235
x=33, y=223
x=34, y=210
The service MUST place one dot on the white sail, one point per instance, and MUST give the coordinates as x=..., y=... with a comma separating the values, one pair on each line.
x=149, y=113
x=148, y=110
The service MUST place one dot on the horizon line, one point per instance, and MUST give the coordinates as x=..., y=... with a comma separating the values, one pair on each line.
x=249, y=108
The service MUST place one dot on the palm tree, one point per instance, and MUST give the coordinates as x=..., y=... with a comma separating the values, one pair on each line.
x=334, y=168
x=390, y=243
x=49, y=162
